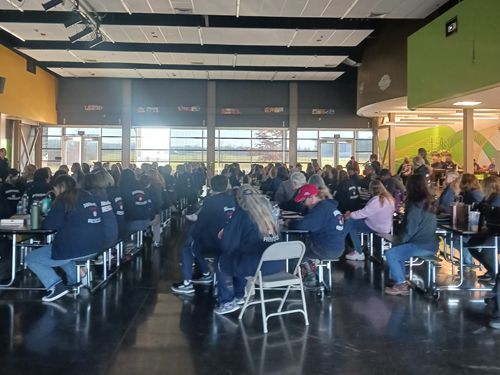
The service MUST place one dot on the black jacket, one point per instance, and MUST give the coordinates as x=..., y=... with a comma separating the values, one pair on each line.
x=38, y=192
x=4, y=169
x=79, y=232
x=348, y=196
x=13, y=194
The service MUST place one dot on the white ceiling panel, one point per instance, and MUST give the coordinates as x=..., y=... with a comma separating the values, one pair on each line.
x=195, y=74
x=315, y=8
x=261, y=8
x=183, y=58
x=189, y=35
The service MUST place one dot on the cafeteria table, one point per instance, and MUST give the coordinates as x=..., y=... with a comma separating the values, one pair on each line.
x=15, y=231
x=461, y=230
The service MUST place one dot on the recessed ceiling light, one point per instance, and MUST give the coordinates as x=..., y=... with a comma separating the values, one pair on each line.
x=467, y=103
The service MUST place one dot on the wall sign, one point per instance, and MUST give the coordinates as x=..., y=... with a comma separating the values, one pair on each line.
x=188, y=109
x=148, y=110
x=323, y=111
x=273, y=109
x=230, y=111
x=94, y=107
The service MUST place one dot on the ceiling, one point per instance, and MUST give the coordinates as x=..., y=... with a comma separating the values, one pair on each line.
x=206, y=39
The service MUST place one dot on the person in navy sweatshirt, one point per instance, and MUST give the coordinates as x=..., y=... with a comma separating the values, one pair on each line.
x=12, y=189
x=251, y=230
x=154, y=196
x=136, y=204
x=115, y=198
x=97, y=188
x=75, y=216
x=38, y=191
x=324, y=221
x=203, y=237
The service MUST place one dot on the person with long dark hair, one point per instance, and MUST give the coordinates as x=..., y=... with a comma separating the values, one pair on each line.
x=85, y=168
x=77, y=173
x=76, y=218
x=418, y=233
x=136, y=204
x=347, y=194
x=40, y=187
x=116, y=173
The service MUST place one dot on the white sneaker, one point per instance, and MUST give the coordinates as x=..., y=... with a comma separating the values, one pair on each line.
x=355, y=256
x=192, y=217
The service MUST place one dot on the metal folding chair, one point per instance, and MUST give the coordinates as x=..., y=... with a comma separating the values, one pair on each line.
x=278, y=251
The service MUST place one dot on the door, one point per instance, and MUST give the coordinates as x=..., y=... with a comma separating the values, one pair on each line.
x=81, y=150
x=335, y=152
x=91, y=150
x=72, y=150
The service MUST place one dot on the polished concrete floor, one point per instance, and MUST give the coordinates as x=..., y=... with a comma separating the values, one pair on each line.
x=135, y=325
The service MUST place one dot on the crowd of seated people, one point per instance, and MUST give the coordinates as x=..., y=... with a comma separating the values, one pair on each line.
x=92, y=209
x=330, y=201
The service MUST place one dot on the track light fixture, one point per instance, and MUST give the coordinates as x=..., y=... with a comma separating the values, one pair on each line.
x=98, y=40
x=51, y=4
x=74, y=20
x=82, y=34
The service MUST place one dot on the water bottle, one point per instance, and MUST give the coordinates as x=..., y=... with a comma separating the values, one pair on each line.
x=20, y=208
x=35, y=216
x=276, y=211
x=46, y=204
x=25, y=201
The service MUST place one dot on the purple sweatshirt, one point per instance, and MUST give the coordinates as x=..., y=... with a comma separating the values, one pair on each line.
x=378, y=219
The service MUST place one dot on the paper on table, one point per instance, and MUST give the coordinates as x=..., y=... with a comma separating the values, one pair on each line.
x=292, y=217
x=289, y=213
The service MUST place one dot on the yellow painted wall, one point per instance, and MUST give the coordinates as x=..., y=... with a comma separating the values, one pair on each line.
x=26, y=95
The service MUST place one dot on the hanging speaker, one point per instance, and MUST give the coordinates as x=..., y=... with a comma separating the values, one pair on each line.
x=2, y=84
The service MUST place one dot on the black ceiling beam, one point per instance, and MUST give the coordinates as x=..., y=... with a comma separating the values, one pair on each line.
x=181, y=20
x=193, y=48
x=66, y=64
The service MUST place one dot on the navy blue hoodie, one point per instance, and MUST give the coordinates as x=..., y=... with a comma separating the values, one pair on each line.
x=243, y=246
x=38, y=192
x=325, y=225
x=472, y=197
x=216, y=211
x=13, y=194
x=79, y=231
x=109, y=223
x=136, y=204
x=115, y=197
x=447, y=197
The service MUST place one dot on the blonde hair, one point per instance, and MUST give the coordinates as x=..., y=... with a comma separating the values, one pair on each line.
x=259, y=210
x=377, y=189
x=29, y=172
x=104, y=179
x=324, y=193
x=491, y=186
x=469, y=182
x=455, y=185
x=155, y=176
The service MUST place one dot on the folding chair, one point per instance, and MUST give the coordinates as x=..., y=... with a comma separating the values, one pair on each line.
x=278, y=251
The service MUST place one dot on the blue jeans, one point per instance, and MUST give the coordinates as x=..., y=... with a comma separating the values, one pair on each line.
x=397, y=256
x=354, y=227
x=190, y=251
x=41, y=263
x=230, y=287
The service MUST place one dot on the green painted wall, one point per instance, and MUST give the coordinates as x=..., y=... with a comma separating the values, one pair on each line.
x=439, y=139
x=441, y=68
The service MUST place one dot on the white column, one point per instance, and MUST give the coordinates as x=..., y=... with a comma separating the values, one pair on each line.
x=211, y=119
x=392, y=144
x=293, y=120
x=468, y=132
x=126, y=120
